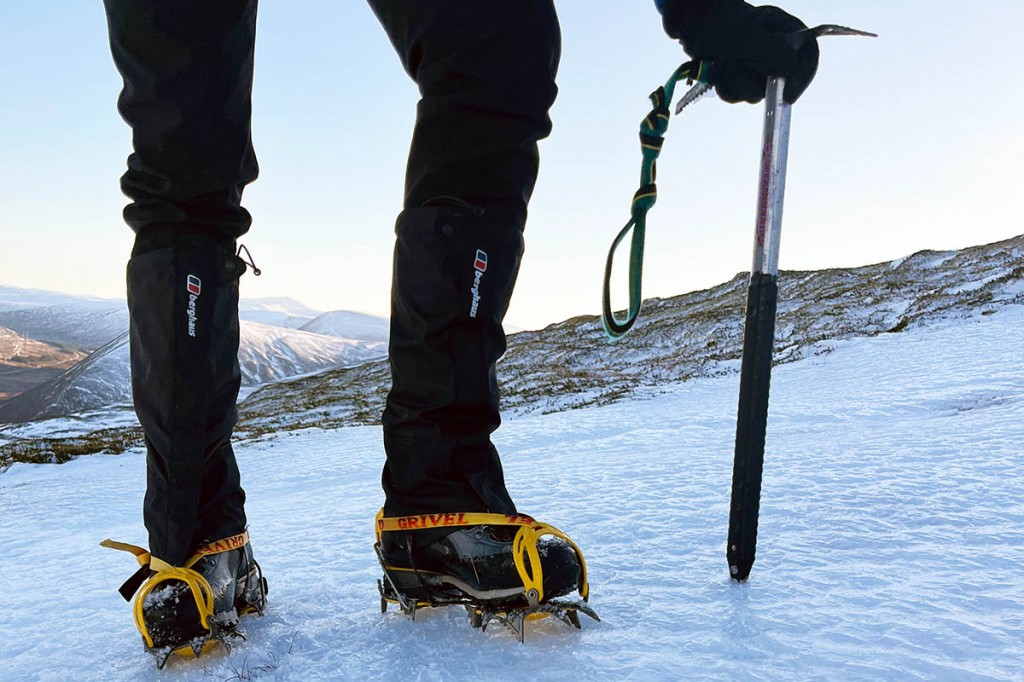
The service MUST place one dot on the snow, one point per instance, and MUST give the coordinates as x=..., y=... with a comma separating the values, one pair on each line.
x=891, y=537
x=973, y=285
x=79, y=424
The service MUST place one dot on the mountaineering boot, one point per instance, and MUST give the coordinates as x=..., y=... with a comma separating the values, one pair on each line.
x=505, y=568
x=187, y=609
x=477, y=563
x=237, y=587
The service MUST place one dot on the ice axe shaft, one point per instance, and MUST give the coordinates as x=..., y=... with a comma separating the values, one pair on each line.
x=759, y=329
x=758, y=336
x=762, y=291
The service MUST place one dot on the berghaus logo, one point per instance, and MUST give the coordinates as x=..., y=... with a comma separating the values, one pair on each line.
x=480, y=266
x=194, y=286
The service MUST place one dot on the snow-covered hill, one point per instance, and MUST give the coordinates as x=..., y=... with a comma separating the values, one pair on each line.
x=86, y=324
x=26, y=362
x=15, y=298
x=571, y=364
x=268, y=354
x=265, y=354
x=43, y=334
x=350, y=325
x=277, y=312
x=891, y=537
x=99, y=380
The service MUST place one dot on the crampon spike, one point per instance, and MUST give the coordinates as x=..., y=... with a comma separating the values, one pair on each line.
x=161, y=658
x=574, y=618
x=517, y=626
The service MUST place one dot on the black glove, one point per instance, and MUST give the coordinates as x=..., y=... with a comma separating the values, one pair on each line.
x=747, y=44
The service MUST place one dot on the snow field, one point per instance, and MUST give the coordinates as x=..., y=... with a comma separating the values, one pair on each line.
x=891, y=537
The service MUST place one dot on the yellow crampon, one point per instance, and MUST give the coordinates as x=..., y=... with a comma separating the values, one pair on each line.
x=195, y=581
x=524, y=545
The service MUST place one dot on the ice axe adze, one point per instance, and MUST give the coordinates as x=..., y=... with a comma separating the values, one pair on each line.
x=762, y=290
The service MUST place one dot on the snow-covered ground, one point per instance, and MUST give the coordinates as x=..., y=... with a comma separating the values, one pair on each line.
x=891, y=537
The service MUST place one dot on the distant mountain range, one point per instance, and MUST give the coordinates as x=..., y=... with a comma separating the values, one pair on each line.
x=82, y=323
x=277, y=312
x=60, y=354
x=570, y=364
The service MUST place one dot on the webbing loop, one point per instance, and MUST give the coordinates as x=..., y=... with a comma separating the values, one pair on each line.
x=652, y=132
x=149, y=565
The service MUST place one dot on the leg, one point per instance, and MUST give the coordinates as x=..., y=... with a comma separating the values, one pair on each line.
x=486, y=75
x=187, y=69
x=486, y=72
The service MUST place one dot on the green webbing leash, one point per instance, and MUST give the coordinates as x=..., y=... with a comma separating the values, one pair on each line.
x=652, y=136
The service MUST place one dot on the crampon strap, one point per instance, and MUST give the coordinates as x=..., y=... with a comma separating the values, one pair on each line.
x=524, y=545
x=652, y=134
x=154, y=571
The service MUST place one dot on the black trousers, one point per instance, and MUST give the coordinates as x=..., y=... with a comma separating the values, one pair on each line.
x=486, y=75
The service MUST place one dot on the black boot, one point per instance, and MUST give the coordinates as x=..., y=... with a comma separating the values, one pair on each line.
x=501, y=568
x=478, y=565
x=187, y=609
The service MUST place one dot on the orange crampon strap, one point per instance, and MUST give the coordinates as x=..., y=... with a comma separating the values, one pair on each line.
x=197, y=584
x=147, y=560
x=524, y=545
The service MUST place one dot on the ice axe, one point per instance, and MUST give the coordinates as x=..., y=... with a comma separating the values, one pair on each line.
x=762, y=289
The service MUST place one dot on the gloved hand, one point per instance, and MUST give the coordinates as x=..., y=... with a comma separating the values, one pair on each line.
x=745, y=44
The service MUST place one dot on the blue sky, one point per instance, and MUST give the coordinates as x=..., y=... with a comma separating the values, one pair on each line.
x=905, y=142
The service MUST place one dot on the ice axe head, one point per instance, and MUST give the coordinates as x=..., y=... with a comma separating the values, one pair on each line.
x=796, y=39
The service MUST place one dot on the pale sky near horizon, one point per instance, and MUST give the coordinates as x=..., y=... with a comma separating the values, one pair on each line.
x=905, y=142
